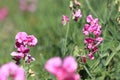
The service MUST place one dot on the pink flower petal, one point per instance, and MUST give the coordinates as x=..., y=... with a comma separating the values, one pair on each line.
x=70, y=64
x=53, y=65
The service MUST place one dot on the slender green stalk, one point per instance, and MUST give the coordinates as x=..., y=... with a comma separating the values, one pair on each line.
x=66, y=36
x=89, y=6
x=94, y=13
x=67, y=31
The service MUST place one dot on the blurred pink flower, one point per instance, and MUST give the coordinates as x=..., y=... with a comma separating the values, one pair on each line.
x=63, y=70
x=65, y=20
x=77, y=15
x=3, y=13
x=28, y=5
x=13, y=71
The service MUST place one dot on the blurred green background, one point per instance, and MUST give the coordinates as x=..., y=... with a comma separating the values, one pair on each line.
x=45, y=24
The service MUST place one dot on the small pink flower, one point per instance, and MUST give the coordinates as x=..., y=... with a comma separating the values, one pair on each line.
x=12, y=70
x=63, y=70
x=3, y=13
x=23, y=40
x=65, y=20
x=77, y=14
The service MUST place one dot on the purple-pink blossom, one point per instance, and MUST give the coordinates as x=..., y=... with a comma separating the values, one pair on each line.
x=13, y=71
x=63, y=69
x=3, y=13
x=92, y=31
x=23, y=40
x=65, y=20
x=92, y=27
x=77, y=15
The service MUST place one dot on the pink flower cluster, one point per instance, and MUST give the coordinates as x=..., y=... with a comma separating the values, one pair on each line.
x=28, y=5
x=63, y=70
x=92, y=31
x=13, y=71
x=3, y=13
x=22, y=41
x=65, y=20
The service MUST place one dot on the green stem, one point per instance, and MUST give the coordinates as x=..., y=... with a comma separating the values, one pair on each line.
x=67, y=31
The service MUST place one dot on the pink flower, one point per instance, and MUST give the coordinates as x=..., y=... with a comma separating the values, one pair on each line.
x=77, y=14
x=63, y=70
x=12, y=70
x=93, y=30
x=3, y=13
x=92, y=27
x=26, y=39
x=28, y=5
x=23, y=40
x=65, y=20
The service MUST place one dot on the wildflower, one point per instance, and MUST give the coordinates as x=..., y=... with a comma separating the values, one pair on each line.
x=63, y=70
x=92, y=27
x=28, y=5
x=65, y=20
x=93, y=30
x=13, y=71
x=3, y=13
x=23, y=40
x=77, y=15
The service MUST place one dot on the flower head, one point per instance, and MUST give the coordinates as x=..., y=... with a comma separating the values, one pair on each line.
x=3, y=13
x=63, y=70
x=93, y=30
x=28, y=5
x=65, y=20
x=77, y=15
x=12, y=70
x=23, y=40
